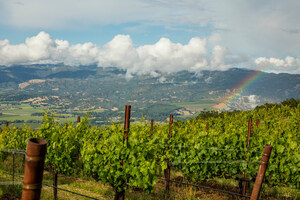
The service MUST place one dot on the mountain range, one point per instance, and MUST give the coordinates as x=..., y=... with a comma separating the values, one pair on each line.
x=107, y=89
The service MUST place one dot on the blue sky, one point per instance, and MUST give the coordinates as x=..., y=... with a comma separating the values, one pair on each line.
x=262, y=35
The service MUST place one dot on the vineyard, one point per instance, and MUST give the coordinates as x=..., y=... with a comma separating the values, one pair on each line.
x=200, y=148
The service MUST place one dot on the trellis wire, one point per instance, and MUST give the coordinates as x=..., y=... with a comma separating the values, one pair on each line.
x=5, y=172
x=208, y=148
x=54, y=186
x=219, y=162
x=13, y=151
x=206, y=187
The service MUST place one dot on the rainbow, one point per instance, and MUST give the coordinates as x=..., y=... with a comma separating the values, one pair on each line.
x=240, y=88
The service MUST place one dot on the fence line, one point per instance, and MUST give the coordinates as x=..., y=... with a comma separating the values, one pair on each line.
x=206, y=187
x=5, y=172
x=18, y=151
x=52, y=186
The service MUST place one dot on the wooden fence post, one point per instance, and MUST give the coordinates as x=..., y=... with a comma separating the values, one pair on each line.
x=261, y=172
x=167, y=171
x=7, y=123
x=34, y=168
x=78, y=119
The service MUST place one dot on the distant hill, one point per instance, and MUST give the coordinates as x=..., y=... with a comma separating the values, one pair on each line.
x=88, y=87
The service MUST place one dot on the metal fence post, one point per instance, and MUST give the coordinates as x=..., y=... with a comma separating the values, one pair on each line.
x=34, y=168
x=151, y=128
x=168, y=170
x=207, y=127
x=54, y=183
x=261, y=172
x=13, y=168
x=121, y=195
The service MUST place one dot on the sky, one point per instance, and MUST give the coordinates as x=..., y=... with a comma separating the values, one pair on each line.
x=153, y=36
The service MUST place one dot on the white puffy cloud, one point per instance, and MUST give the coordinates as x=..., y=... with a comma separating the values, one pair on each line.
x=34, y=49
x=288, y=65
x=163, y=56
x=253, y=100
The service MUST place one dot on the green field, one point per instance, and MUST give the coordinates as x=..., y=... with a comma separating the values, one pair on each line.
x=201, y=104
x=23, y=112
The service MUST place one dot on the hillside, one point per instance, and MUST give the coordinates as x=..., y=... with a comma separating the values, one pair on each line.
x=104, y=91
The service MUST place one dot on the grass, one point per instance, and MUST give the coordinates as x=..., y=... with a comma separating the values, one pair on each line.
x=181, y=192
x=198, y=105
x=13, y=117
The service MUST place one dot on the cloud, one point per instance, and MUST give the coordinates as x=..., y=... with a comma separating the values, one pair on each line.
x=208, y=80
x=164, y=56
x=258, y=28
x=287, y=65
x=34, y=49
x=253, y=100
x=162, y=79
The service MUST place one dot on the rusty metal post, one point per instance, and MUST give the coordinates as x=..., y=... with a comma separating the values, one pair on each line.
x=54, y=183
x=7, y=123
x=207, y=127
x=261, y=172
x=13, y=168
x=168, y=170
x=257, y=122
x=121, y=195
x=151, y=128
x=78, y=119
x=126, y=122
x=249, y=132
x=248, y=144
x=170, y=126
x=34, y=168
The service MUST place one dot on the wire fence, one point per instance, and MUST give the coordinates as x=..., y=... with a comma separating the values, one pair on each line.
x=52, y=186
x=22, y=152
x=17, y=151
x=206, y=187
